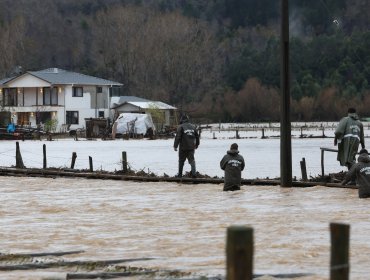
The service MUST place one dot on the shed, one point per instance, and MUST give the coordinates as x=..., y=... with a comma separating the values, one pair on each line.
x=96, y=127
x=163, y=115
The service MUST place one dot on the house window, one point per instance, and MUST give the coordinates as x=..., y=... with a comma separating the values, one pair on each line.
x=50, y=96
x=10, y=97
x=99, y=89
x=101, y=114
x=78, y=92
x=72, y=117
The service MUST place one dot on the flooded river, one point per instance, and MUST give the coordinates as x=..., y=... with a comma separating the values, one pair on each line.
x=181, y=226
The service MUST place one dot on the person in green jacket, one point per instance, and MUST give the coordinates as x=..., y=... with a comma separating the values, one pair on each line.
x=233, y=164
x=349, y=134
x=360, y=172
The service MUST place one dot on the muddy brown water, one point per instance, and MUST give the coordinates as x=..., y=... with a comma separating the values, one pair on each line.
x=182, y=226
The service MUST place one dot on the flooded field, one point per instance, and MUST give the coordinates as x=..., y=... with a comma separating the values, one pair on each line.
x=262, y=156
x=181, y=226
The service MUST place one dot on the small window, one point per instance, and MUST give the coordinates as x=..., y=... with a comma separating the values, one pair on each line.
x=72, y=117
x=99, y=89
x=78, y=92
x=101, y=114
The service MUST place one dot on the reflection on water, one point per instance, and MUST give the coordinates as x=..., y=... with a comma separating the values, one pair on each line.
x=182, y=225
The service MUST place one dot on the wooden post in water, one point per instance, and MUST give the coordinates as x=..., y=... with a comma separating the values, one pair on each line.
x=44, y=158
x=214, y=136
x=18, y=157
x=339, y=254
x=91, y=164
x=322, y=163
x=285, y=125
x=263, y=133
x=237, y=134
x=303, y=169
x=124, y=162
x=74, y=156
x=239, y=253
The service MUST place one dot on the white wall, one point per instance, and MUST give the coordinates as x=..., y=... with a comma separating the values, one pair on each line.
x=28, y=81
x=29, y=96
x=75, y=103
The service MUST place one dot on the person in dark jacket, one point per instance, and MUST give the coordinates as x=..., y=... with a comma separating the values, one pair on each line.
x=187, y=139
x=360, y=171
x=348, y=135
x=233, y=164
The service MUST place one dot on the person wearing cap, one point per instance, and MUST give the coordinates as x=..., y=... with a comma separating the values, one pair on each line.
x=348, y=135
x=187, y=139
x=360, y=172
x=233, y=164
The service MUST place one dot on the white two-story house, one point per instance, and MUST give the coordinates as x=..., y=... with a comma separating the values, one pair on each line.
x=65, y=97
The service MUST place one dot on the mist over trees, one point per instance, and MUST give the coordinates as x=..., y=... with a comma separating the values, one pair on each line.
x=217, y=60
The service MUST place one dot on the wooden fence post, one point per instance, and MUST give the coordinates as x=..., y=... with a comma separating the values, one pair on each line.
x=91, y=164
x=239, y=253
x=18, y=157
x=44, y=158
x=263, y=133
x=339, y=254
x=74, y=156
x=124, y=162
x=322, y=163
x=303, y=169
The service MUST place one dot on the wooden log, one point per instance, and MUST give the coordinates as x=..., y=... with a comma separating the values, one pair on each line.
x=4, y=257
x=339, y=254
x=91, y=164
x=107, y=275
x=74, y=156
x=46, y=265
x=9, y=171
x=303, y=169
x=124, y=162
x=18, y=157
x=44, y=158
x=239, y=253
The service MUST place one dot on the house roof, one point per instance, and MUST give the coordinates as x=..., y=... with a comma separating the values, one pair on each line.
x=5, y=80
x=57, y=76
x=147, y=105
x=127, y=98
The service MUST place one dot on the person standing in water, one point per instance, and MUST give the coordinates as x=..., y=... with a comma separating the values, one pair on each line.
x=187, y=139
x=233, y=164
x=349, y=134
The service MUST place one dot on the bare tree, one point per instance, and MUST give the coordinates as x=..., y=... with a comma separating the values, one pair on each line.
x=164, y=56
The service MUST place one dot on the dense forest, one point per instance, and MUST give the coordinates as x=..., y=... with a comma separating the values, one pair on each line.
x=215, y=59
